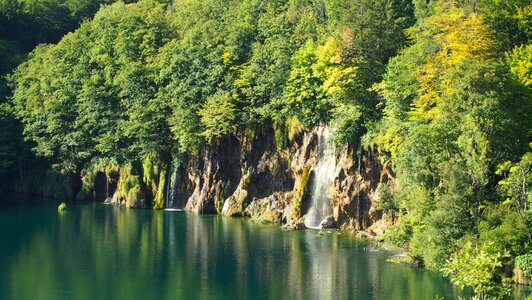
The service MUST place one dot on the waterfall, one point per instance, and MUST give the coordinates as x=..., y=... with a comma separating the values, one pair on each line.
x=108, y=198
x=324, y=174
x=226, y=206
x=171, y=186
x=168, y=186
x=113, y=199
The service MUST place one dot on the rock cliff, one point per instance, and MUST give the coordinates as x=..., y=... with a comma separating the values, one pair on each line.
x=242, y=176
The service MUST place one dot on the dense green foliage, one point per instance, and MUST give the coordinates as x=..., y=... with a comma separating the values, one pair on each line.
x=476, y=266
x=23, y=25
x=443, y=90
x=149, y=78
x=456, y=123
x=456, y=115
x=524, y=262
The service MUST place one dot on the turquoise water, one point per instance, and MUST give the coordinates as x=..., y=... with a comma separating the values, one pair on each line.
x=105, y=252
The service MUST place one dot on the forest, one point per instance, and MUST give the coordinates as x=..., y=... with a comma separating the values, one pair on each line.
x=442, y=90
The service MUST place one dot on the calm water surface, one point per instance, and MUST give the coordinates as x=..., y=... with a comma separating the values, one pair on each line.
x=104, y=252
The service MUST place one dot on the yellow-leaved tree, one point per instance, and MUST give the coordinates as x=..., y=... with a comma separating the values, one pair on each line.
x=452, y=35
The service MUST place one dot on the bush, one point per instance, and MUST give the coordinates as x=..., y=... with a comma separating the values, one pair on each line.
x=158, y=202
x=281, y=135
x=88, y=177
x=476, y=266
x=524, y=263
x=507, y=229
x=387, y=202
x=400, y=233
x=294, y=127
x=126, y=182
x=218, y=116
x=437, y=238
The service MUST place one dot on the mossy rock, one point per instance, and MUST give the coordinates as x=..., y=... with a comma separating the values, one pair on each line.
x=298, y=203
x=62, y=207
x=136, y=197
x=294, y=127
x=159, y=199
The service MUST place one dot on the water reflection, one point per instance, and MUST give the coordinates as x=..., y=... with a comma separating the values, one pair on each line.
x=103, y=252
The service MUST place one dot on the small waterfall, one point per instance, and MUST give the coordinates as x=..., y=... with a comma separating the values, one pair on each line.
x=171, y=186
x=324, y=173
x=173, y=181
x=109, y=198
x=168, y=186
x=226, y=206
x=113, y=199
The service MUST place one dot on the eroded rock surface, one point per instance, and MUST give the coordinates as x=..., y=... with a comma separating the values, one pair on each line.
x=240, y=176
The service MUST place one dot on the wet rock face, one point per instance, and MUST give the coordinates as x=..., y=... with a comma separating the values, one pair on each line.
x=240, y=176
x=294, y=225
x=354, y=193
x=269, y=209
x=105, y=188
x=213, y=175
x=327, y=223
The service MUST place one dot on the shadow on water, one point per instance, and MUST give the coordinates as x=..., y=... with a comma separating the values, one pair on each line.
x=106, y=252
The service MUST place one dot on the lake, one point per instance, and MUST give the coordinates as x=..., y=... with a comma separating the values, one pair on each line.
x=95, y=251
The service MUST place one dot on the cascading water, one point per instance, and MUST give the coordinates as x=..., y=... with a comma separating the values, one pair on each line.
x=110, y=199
x=168, y=187
x=324, y=173
x=171, y=184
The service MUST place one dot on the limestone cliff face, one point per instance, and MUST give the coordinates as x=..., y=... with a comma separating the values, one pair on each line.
x=355, y=199
x=240, y=176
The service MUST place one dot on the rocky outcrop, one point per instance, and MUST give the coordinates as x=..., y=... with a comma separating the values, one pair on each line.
x=354, y=197
x=243, y=176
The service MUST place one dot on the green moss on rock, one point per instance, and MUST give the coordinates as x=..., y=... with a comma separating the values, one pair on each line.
x=298, y=203
x=62, y=207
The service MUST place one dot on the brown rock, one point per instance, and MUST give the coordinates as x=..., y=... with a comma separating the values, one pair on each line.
x=243, y=176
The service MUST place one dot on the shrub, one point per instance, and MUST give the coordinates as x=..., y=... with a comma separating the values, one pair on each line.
x=62, y=207
x=399, y=234
x=507, y=229
x=476, y=266
x=294, y=127
x=158, y=202
x=387, y=202
x=524, y=263
x=281, y=135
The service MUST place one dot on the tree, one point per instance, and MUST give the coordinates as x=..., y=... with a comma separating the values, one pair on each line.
x=218, y=116
x=32, y=22
x=509, y=20
x=516, y=186
x=23, y=25
x=520, y=63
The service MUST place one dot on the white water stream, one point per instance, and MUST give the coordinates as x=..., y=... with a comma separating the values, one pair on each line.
x=324, y=173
